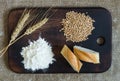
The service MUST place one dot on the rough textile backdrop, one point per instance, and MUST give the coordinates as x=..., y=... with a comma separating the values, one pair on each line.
x=113, y=74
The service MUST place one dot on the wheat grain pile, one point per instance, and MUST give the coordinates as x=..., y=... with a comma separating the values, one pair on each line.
x=77, y=26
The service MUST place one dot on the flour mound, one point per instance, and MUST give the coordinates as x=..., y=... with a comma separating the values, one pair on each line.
x=37, y=55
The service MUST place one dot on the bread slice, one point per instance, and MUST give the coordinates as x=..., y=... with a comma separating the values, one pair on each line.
x=71, y=58
x=86, y=55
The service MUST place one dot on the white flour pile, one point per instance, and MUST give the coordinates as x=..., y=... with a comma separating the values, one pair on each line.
x=37, y=55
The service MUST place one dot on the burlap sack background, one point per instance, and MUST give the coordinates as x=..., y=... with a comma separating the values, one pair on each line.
x=112, y=74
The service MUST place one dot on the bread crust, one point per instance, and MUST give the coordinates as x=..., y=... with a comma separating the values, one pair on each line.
x=71, y=58
x=92, y=57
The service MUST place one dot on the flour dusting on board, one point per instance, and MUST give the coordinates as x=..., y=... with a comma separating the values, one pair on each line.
x=37, y=55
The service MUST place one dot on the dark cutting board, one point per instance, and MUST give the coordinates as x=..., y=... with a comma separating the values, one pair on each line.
x=50, y=31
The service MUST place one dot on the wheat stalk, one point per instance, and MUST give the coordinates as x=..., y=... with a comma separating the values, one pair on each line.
x=30, y=30
x=27, y=32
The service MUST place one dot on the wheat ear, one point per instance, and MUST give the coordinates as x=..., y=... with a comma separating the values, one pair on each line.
x=18, y=29
x=19, y=26
x=36, y=26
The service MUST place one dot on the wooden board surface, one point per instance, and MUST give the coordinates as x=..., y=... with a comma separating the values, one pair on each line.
x=50, y=31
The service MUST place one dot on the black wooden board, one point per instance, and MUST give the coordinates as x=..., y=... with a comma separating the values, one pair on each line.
x=50, y=31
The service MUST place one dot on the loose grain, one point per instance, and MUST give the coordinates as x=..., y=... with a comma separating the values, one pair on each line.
x=77, y=26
